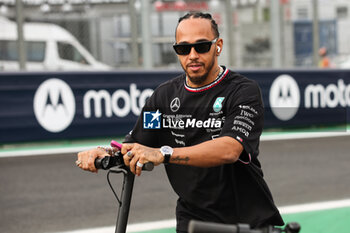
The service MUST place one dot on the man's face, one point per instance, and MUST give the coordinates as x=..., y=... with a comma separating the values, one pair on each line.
x=197, y=66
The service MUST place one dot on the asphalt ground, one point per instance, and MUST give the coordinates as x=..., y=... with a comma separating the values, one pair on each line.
x=48, y=193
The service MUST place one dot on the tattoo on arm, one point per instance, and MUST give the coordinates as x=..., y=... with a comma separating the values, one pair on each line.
x=179, y=159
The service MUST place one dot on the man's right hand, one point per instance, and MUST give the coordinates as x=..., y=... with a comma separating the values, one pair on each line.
x=86, y=159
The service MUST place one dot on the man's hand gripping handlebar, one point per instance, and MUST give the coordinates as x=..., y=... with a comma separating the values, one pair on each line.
x=105, y=158
x=107, y=162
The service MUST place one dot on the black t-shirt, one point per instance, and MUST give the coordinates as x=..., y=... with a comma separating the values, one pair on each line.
x=178, y=116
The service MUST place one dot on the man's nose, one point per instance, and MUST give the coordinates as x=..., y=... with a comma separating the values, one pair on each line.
x=193, y=53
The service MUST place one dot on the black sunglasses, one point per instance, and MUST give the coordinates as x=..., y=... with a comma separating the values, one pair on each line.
x=200, y=47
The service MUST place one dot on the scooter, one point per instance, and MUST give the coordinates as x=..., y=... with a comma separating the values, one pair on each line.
x=115, y=164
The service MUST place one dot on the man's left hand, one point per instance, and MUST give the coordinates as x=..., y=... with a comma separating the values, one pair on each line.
x=136, y=155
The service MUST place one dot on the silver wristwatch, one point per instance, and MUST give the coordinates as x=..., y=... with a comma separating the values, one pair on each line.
x=166, y=151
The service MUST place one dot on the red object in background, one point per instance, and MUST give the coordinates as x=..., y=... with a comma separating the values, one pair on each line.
x=180, y=6
x=158, y=5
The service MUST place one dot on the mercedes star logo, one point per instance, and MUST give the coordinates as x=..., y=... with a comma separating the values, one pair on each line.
x=175, y=104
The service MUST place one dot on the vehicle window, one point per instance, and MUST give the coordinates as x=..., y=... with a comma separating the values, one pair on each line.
x=35, y=50
x=69, y=52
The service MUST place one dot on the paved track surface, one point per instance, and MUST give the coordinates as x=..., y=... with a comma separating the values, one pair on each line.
x=50, y=194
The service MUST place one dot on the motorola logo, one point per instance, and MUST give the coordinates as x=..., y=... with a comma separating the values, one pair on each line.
x=54, y=105
x=284, y=97
x=175, y=104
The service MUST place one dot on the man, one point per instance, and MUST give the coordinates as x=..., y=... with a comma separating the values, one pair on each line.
x=209, y=121
x=324, y=60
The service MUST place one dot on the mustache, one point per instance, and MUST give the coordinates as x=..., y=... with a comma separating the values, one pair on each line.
x=195, y=63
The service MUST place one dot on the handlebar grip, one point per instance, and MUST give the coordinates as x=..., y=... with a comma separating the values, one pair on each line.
x=205, y=227
x=98, y=163
x=148, y=166
x=209, y=227
x=292, y=227
x=107, y=162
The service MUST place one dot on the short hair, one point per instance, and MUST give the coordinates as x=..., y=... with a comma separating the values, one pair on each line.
x=196, y=15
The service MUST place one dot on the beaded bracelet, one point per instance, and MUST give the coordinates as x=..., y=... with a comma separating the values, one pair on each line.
x=110, y=150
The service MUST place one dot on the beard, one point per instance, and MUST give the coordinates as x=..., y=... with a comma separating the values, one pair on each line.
x=200, y=79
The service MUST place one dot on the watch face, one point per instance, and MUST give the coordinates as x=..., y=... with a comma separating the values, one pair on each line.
x=166, y=150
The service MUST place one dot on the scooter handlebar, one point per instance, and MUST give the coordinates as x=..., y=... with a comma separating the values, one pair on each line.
x=107, y=162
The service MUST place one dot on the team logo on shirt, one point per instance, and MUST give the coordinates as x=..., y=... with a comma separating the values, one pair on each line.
x=152, y=120
x=175, y=104
x=217, y=106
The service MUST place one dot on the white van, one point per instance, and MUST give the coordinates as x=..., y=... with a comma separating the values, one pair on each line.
x=49, y=47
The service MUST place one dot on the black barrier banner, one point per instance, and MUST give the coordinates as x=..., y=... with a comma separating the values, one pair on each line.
x=304, y=98
x=71, y=105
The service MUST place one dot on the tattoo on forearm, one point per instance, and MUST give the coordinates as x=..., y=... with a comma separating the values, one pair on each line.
x=179, y=159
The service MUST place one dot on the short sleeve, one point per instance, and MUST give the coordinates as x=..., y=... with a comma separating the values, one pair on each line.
x=244, y=119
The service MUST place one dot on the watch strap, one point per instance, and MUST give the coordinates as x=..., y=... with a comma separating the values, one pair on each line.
x=166, y=158
x=166, y=151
